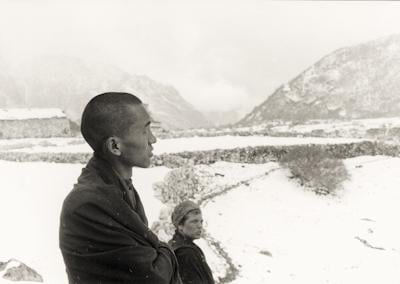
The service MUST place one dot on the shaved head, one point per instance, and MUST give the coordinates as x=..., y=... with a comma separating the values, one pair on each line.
x=106, y=115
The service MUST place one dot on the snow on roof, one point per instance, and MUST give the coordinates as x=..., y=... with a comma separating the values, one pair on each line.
x=30, y=113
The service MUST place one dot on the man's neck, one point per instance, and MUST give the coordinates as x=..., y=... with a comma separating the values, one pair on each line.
x=122, y=170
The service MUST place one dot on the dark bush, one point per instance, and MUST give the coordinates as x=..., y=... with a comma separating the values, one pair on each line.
x=315, y=168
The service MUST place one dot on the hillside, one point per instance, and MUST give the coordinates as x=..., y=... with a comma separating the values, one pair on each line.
x=361, y=81
x=68, y=83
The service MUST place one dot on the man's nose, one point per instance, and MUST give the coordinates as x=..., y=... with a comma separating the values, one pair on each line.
x=152, y=139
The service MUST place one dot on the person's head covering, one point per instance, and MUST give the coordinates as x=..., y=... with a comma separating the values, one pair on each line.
x=181, y=210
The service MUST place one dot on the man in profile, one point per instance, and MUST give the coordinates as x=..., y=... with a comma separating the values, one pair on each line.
x=104, y=234
x=188, y=221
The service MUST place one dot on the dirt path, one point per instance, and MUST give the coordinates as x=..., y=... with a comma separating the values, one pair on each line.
x=232, y=271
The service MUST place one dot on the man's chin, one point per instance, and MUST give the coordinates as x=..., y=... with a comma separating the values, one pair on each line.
x=143, y=165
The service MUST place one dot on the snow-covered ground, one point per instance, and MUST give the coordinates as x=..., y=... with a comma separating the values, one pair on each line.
x=336, y=127
x=274, y=231
x=78, y=145
x=278, y=233
x=327, y=125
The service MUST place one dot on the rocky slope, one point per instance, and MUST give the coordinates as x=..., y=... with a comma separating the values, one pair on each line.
x=361, y=81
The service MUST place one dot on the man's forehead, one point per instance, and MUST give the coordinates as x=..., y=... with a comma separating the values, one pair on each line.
x=138, y=113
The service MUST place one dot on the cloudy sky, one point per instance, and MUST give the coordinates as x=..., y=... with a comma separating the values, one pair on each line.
x=220, y=55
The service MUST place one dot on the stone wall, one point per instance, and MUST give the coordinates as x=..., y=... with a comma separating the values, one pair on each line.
x=263, y=154
x=252, y=155
x=35, y=128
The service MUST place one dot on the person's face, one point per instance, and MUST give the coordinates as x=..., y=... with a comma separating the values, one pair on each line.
x=136, y=144
x=193, y=225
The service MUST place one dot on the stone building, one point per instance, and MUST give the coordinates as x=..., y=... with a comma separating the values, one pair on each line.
x=33, y=123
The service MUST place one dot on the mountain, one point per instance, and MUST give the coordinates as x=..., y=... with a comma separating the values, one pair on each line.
x=361, y=81
x=69, y=83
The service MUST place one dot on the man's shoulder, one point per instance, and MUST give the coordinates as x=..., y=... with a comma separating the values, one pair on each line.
x=88, y=190
x=79, y=196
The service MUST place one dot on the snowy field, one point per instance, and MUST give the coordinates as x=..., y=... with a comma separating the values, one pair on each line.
x=78, y=145
x=278, y=233
x=326, y=125
x=274, y=231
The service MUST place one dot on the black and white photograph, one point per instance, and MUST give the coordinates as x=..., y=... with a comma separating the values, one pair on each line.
x=199, y=142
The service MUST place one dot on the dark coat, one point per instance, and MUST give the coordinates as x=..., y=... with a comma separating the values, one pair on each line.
x=193, y=266
x=103, y=240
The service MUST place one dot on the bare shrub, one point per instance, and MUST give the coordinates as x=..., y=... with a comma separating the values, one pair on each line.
x=181, y=184
x=315, y=169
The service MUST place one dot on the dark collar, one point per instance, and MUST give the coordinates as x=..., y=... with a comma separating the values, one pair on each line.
x=103, y=169
x=179, y=240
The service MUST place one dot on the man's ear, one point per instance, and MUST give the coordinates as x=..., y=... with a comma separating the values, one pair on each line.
x=113, y=145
